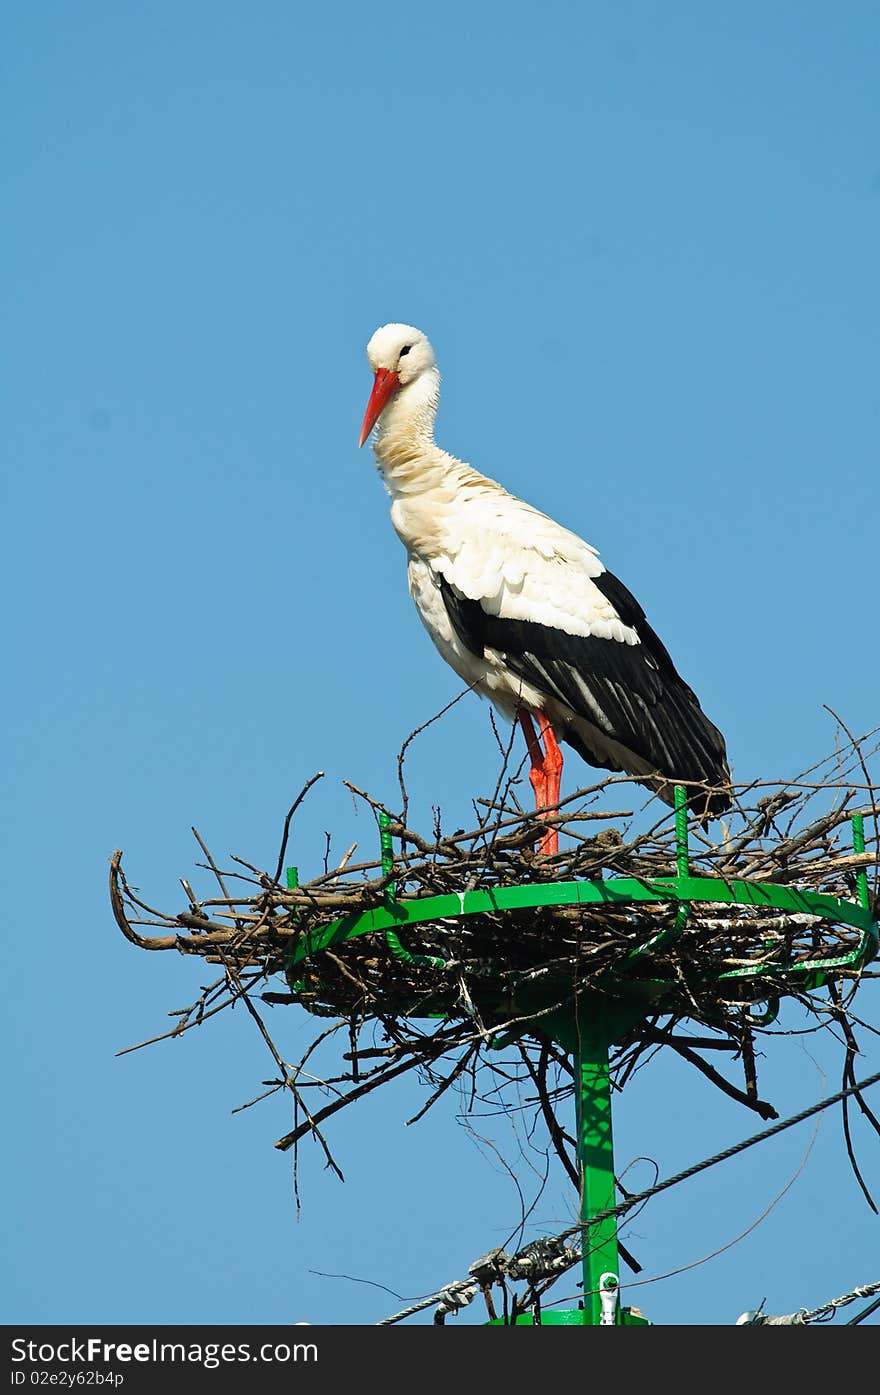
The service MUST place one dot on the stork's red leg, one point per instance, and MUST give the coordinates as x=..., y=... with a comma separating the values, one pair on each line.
x=537, y=778
x=552, y=780
x=552, y=761
x=545, y=771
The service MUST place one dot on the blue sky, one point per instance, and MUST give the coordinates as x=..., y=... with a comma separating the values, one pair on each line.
x=643, y=239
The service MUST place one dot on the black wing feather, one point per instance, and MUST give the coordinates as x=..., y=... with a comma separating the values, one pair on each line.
x=631, y=692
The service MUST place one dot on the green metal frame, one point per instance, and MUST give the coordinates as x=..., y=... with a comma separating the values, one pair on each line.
x=593, y=1023
x=397, y=915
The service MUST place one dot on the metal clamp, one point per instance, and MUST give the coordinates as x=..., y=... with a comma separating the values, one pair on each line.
x=609, y=1293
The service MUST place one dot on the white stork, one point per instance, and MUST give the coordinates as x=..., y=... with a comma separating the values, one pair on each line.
x=525, y=611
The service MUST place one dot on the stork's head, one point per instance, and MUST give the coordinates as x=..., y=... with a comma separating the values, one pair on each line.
x=398, y=355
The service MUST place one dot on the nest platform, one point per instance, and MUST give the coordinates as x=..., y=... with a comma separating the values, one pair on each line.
x=455, y=947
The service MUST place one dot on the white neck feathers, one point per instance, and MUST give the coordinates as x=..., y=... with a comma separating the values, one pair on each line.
x=406, y=427
x=412, y=465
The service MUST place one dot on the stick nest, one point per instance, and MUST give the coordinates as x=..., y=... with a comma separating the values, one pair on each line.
x=481, y=1019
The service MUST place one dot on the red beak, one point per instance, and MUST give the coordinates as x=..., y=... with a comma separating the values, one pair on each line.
x=385, y=385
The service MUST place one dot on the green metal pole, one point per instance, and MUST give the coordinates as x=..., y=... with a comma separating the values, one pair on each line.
x=596, y=1163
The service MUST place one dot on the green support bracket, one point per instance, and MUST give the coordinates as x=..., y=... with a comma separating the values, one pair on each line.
x=858, y=833
x=292, y=874
x=682, y=868
x=392, y=939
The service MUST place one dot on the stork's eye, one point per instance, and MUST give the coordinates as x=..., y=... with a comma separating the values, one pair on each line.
x=405, y=350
